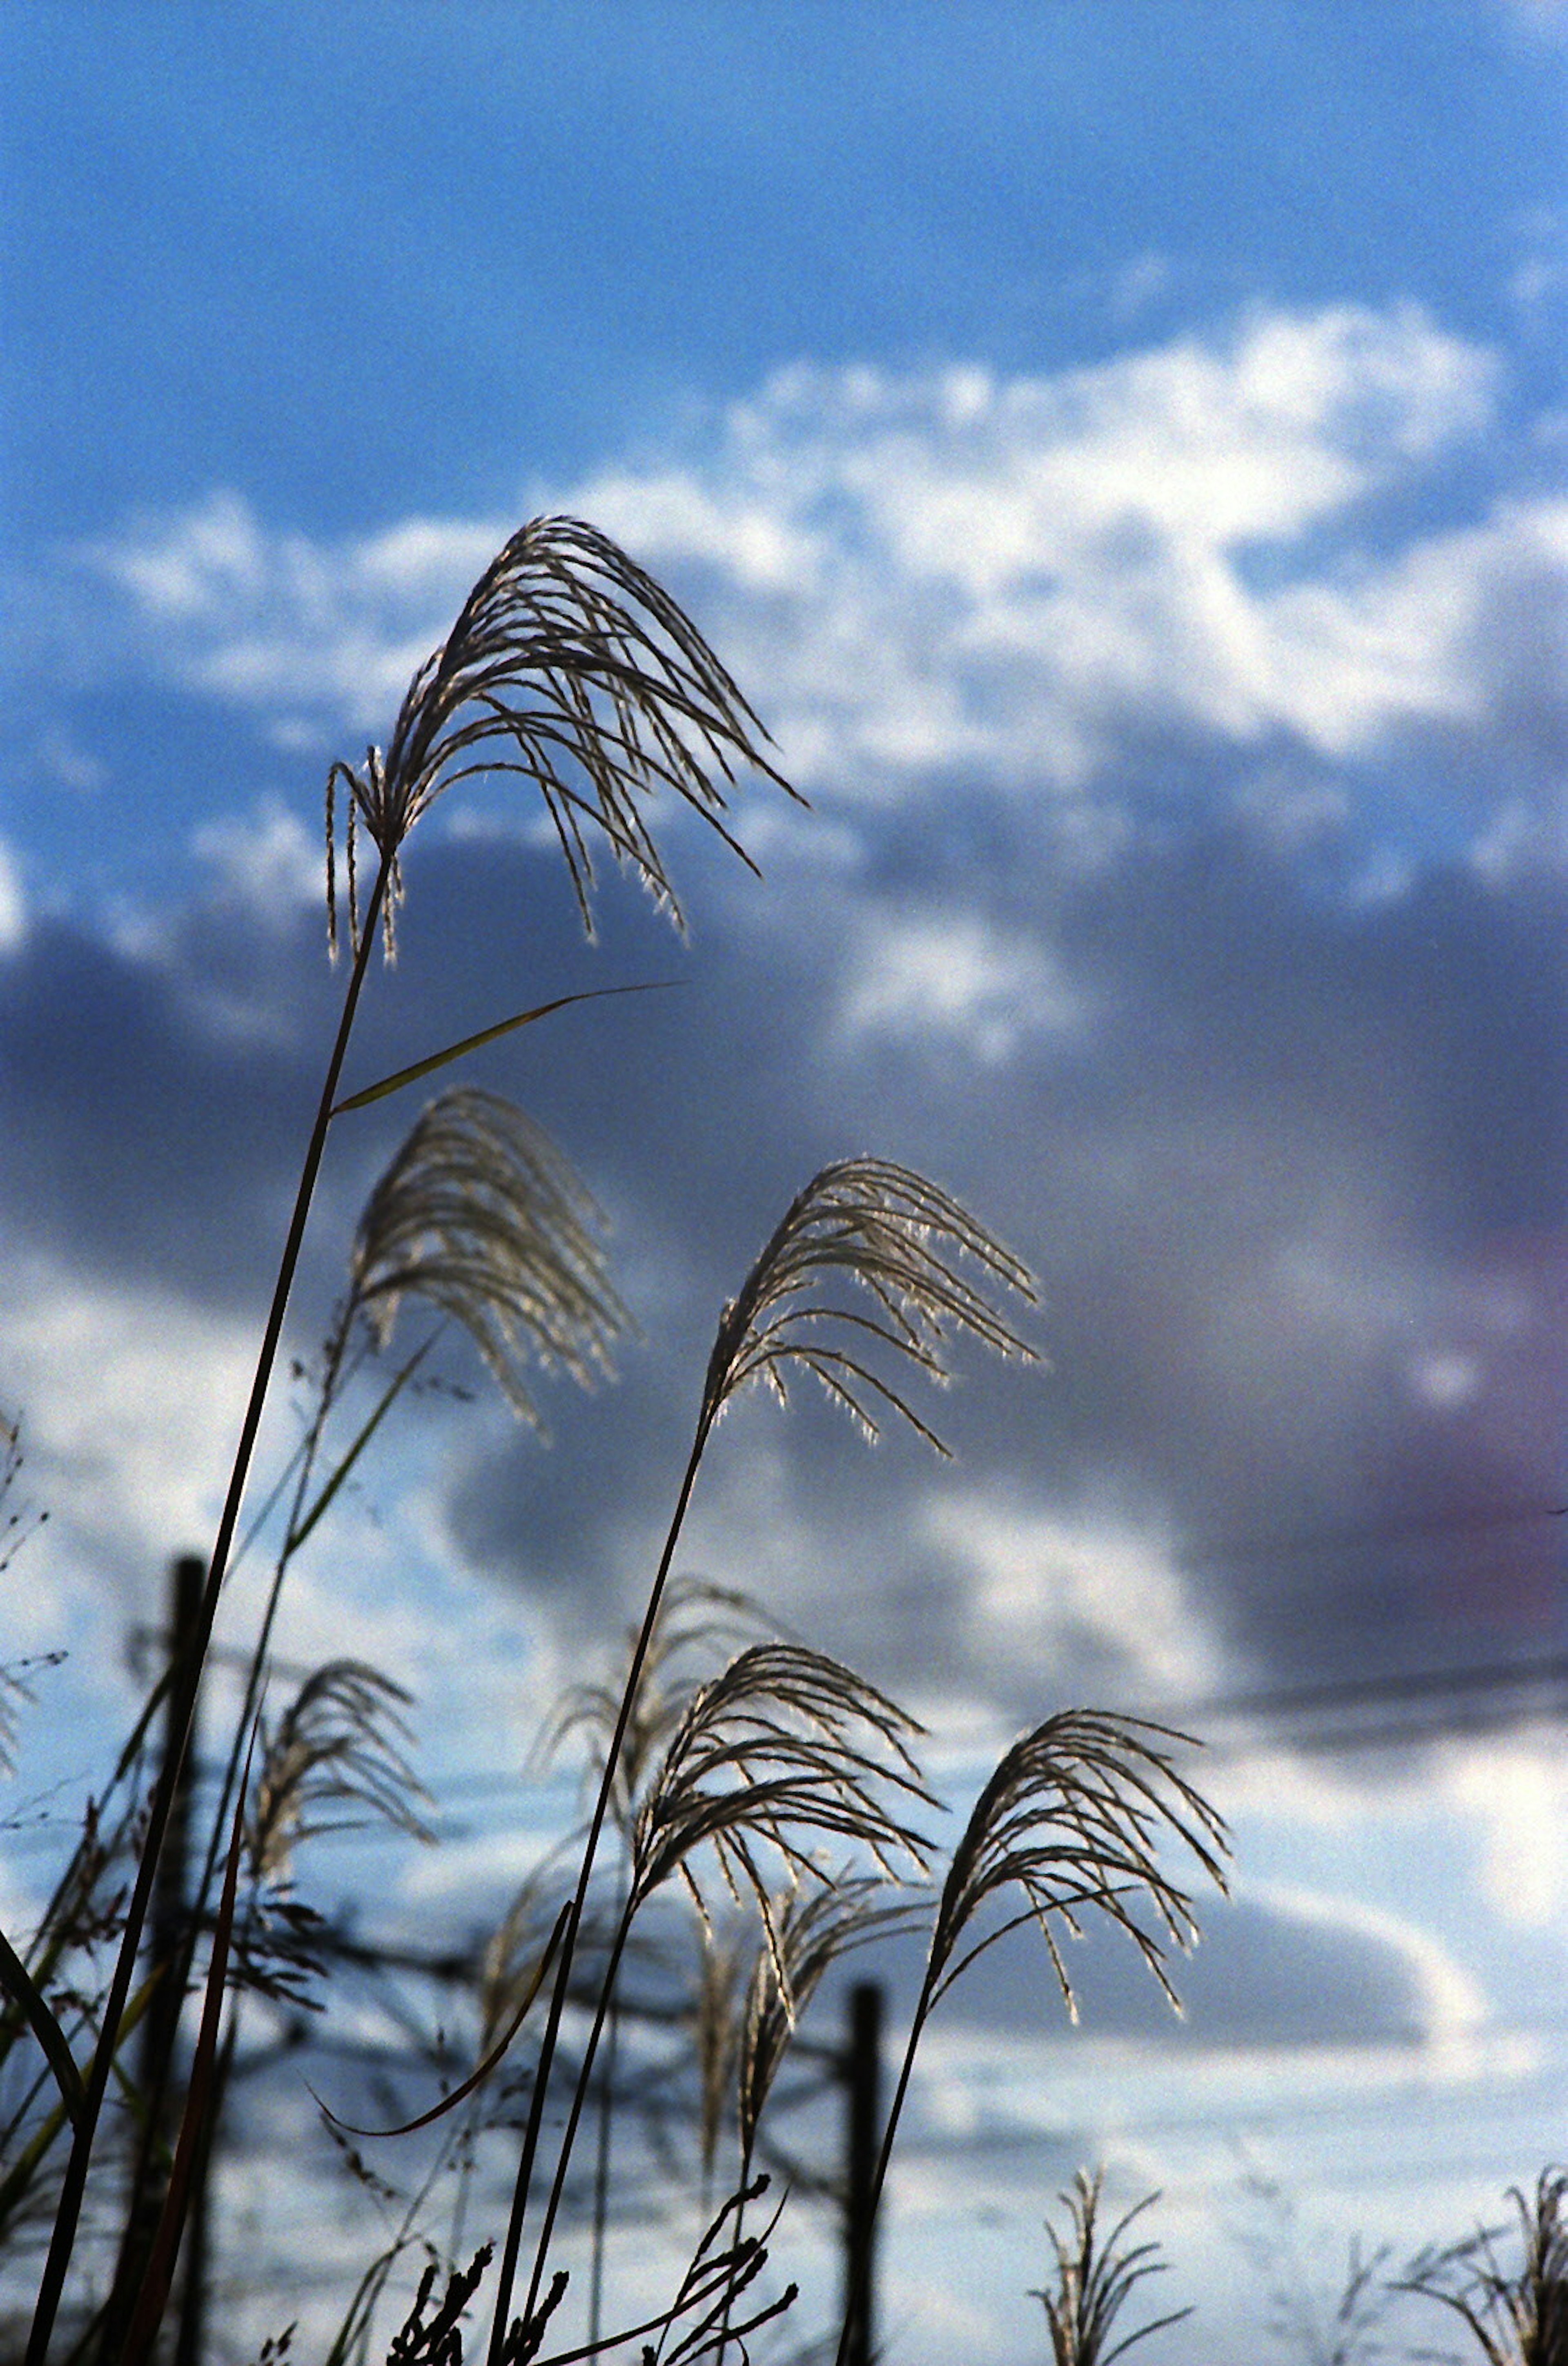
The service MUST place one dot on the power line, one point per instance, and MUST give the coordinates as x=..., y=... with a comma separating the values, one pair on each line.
x=1427, y=1683
x=1355, y=1536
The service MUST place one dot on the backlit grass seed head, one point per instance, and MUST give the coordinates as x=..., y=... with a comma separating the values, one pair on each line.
x=1073, y=1817
x=783, y=1750
x=808, y=1930
x=1096, y=2276
x=335, y=1761
x=480, y=1216
x=1518, y=2314
x=698, y=1623
x=569, y=667
x=716, y=2024
x=901, y=1241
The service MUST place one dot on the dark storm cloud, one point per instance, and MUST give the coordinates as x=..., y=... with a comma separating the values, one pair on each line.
x=1295, y=1196
x=1291, y=1170
x=148, y=1135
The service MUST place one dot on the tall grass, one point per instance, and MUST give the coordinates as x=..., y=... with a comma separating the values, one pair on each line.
x=1515, y=2316
x=776, y=1789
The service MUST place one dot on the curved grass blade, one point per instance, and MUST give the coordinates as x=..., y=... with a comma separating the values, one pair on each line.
x=476, y=2077
x=427, y=1067
x=383, y=1406
x=17, y=1982
x=13, y=2186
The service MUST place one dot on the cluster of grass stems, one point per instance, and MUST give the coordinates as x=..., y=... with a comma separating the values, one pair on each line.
x=778, y=1791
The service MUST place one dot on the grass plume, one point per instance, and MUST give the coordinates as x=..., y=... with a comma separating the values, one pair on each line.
x=1073, y=1817
x=481, y=1217
x=571, y=669
x=334, y=1761
x=785, y=1746
x=897, y=1237
x=1095, y=2278
x=1517, y=2317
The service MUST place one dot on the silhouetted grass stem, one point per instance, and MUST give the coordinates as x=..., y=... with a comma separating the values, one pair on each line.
x=74, y=2184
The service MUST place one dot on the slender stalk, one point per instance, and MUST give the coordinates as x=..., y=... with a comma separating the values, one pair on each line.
x=178, y=1968
x=74, y=2185
x=299, y=1527
x=579, y=2098
x=602, y=2170
x=569, y=1946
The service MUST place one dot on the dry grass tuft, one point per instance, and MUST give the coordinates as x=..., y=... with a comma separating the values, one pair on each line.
x=334, y=1762
x=479, y=1215
x=898, y=1238
x=1073, y=1817
x=1518, y=2317
x=570, y=666
x=1095, y=2280
x=696, y=1621
x=807, y=1933
x=784, y=1744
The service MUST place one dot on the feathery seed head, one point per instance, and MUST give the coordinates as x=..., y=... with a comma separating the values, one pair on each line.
x=784, y=1749
x=480, y=1216
x=1518, y=2314
x=571, y=668
x=900, y=1238
x=339, y=1746
x=1073, y=1817
x=697, y=1621
x=807, y=1932
x=717, y=2032
x=1095, y=2279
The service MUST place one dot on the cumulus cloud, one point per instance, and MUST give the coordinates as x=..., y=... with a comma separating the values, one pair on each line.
x=1105, y=683
x=1102, y=1596
x=947, y=569
x=1008, y=571
x=129, y=1400
x=933, y=975
x=13, y=907
x=269, y=862
x=280, y=622
x=1515, y=1794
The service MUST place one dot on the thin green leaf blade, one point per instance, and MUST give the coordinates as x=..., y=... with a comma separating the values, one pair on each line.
x=476, y=2077
x=297, y=1537
x=17, y=1982
x=394, y=1084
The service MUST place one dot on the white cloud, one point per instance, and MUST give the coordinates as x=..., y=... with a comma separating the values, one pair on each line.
x=918, y=572
x=953, y=975
x=1515, y=1794
x=1007, y=571
x=269, y=862
x=1140, y=283
x=1047, y=1593
x=280, y=622
x=13, y=906
x=131, y=1403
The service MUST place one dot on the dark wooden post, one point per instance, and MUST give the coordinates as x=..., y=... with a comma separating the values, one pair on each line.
x=168, y=1941
x=863, y=2075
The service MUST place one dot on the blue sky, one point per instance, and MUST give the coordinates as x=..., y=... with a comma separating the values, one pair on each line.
x=1120, y=451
